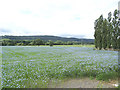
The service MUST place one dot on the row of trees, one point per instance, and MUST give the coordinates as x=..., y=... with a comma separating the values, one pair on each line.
x=8, y=42
x=107, y=32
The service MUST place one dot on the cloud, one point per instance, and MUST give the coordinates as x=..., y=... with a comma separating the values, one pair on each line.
x=26, y=11
x=72, y=35
x=53, y=17
x=4, y=30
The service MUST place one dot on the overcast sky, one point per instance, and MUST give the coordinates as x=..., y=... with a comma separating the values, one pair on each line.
x=69, y=18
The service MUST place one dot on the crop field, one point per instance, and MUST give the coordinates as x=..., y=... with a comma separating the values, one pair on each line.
x=25, y=67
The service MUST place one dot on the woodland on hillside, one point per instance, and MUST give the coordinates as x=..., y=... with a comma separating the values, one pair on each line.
x=42, y=40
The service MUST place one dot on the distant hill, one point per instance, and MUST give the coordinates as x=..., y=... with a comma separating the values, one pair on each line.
x=46, y=38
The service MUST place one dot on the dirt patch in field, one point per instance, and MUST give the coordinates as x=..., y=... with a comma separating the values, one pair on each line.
x=82, y=83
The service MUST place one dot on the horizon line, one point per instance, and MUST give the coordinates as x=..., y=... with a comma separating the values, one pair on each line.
x=49, y=35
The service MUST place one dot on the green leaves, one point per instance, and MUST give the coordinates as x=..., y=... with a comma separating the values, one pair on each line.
x=107, y=31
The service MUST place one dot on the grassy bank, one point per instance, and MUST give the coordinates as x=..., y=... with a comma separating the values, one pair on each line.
x=75, y=45
x=66, y=45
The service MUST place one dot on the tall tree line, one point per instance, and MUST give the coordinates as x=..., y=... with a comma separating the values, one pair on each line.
x=107, y=32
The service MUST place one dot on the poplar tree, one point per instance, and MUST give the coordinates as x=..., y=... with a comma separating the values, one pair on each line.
x=118, y=39
x=110, y=27
x=107, y=31
x=104, y=34
x=115, y=29
x=96, y=33
x=99, y=32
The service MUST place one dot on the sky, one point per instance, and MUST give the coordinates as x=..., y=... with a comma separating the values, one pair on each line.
x=66, y=18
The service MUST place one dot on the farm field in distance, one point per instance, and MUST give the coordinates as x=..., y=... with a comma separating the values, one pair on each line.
x=35, y=66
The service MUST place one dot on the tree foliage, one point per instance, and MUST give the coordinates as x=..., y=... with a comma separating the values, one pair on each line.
x=107, y=32
x=51, y=43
